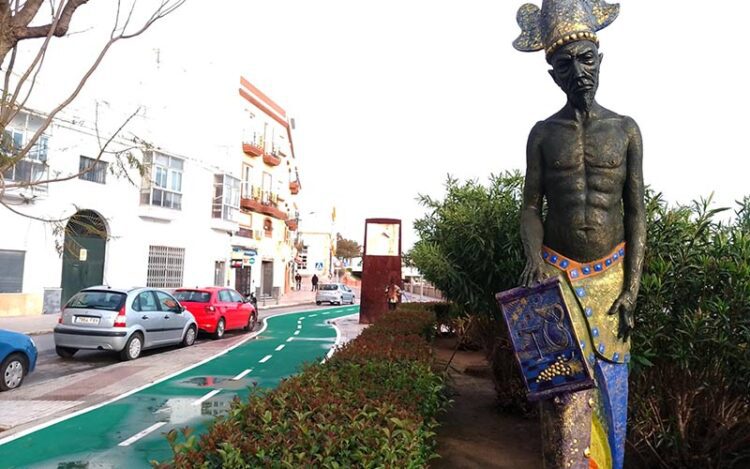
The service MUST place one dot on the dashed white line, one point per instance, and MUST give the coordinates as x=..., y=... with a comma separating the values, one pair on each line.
x=206, y=397
x=265, y=359
x=313, y=315
x=242, y=375
x=290, y=339
x=299, y=326
x=278, y=349
x=326, y=313
x=296, y=332
x=142, y=433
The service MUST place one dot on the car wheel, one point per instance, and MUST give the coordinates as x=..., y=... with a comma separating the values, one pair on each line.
x=219, y=329
x=251, y=322
x=317, y=303
x=189, y=338
x=12, y=371
x=65, y=352
x=133, y=347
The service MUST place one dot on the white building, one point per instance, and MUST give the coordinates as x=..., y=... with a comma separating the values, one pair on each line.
x=193, y=219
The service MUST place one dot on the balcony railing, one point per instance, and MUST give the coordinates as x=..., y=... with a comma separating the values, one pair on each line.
x=263, y=202
x=252, y=148
x=271, y=160
x=294, y=187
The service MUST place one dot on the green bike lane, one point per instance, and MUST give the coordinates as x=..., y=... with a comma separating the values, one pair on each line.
x=129, y=431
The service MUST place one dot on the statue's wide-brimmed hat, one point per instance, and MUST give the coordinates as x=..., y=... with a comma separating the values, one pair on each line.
x=561, y=22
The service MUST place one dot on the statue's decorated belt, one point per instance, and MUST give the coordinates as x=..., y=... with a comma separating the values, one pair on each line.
x=577, y=270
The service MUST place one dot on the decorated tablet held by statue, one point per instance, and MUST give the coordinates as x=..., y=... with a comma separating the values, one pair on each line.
x=545, y=343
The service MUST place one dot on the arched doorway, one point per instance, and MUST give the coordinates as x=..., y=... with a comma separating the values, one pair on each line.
x=83, y=252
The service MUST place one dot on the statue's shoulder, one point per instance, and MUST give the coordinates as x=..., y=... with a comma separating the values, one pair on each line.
x=626, y=122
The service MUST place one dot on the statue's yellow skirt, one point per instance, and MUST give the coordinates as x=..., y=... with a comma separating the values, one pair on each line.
x=587, y=429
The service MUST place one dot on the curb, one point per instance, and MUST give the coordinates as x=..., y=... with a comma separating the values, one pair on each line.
x=284, y=305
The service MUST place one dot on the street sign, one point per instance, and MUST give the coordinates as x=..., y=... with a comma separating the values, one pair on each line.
x=251, y=261
x=318, y=266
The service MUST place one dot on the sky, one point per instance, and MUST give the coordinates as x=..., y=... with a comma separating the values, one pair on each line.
x=389, y=97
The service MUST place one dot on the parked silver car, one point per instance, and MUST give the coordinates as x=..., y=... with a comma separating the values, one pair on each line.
x=125, y=321
x=334, y=293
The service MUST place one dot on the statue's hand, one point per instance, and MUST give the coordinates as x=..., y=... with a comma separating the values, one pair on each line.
x=533, y=273
x=624, y=306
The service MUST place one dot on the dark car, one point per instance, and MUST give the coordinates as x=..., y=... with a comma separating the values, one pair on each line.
x=17, y=358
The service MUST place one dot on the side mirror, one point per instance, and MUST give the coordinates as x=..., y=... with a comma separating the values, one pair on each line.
x=181, y=309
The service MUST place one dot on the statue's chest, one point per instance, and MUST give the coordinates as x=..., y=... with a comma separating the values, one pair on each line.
x=596, y=146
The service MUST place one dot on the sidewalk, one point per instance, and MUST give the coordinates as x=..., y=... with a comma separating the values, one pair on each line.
x=45, y=323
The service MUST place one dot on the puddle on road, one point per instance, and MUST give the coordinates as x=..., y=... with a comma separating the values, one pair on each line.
x=217, y=382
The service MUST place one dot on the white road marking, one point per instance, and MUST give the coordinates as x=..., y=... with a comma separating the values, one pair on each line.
x=313, y=315
x=325, y=314
x=242, y=375
x=142, y=433
x=206, y=397
x=290, y=339
x=278, y=349
x=315, y=339
x=299, y=326
x=296, y=332
x=265, y=359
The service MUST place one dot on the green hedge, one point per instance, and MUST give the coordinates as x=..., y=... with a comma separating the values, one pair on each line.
x=373, y=404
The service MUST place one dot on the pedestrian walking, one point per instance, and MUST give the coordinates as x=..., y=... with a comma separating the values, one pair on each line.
x=314, y=282
x=298, y=281
x=393, y=295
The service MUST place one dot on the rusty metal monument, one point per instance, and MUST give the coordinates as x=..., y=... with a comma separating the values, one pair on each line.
x=584, y=164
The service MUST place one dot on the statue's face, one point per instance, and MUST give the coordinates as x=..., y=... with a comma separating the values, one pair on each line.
x=575, y=69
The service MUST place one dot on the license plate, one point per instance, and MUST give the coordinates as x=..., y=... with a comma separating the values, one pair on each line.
x=85, y=320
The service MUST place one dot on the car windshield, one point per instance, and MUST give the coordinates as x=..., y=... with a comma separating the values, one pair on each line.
x=329, y=287
x=193, y=296
x=105, y=300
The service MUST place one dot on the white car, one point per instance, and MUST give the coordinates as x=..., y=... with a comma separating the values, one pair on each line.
x=334, y=293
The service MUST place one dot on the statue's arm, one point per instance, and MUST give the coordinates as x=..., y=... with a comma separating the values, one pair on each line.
x=635, y=231
x=532, y=228
x=635, y=211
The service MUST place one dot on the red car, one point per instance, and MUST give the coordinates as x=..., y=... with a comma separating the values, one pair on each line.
x=218, y=309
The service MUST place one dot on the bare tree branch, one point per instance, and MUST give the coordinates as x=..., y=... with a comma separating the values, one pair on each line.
x=98, y=158
x=56, y=28
x=27, y=13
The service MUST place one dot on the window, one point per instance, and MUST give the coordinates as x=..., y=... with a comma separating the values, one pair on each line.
x=145, y=302
x=11, y=271
x=268, y=228
x=247, y=187
x=165, y=267
x=101, y=300
x=192, y=296
x=236, y=297
x=267, y=186
x=163, y=184
x=96, y=171
x=220, y=270
x=31, y=168
x=167, y=303
x=226, y=203
x=225, y=296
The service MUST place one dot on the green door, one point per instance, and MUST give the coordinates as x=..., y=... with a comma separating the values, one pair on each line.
x=83, y=256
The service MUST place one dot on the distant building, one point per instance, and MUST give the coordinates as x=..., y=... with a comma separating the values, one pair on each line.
x=193, y=219
x=315, y=254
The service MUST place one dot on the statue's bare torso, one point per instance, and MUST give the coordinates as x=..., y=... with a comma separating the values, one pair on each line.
x=584, y=169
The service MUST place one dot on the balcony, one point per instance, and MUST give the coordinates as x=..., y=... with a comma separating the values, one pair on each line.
x=252, y=149
x=271, y=160
x=294, y=187
x=264, y=205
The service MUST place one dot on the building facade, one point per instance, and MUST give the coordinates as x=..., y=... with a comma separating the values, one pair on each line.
x=175, y=219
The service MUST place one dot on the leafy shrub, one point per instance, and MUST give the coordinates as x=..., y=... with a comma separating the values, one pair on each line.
x=689, y=403
x=690, y=374
x=373, y=404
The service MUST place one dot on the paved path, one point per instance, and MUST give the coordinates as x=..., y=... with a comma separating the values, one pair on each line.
x=129, y=431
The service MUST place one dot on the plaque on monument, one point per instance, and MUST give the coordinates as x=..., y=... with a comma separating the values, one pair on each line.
x=544, y=341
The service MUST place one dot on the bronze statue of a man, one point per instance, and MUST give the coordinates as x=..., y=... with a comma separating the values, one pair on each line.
x=585, y=161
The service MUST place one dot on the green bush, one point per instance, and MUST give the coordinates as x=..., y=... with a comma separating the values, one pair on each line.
x=689, y=399
x=690, y=374
x=374, y=404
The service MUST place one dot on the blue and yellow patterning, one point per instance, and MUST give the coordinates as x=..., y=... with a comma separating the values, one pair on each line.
x=593, y=422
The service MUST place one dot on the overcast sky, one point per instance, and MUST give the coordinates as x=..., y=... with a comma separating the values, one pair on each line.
x=391, y=96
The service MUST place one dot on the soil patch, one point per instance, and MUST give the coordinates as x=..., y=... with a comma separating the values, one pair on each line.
x=474, y=433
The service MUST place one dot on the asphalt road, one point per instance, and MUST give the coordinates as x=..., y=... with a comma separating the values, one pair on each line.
x=50, y=366
x=129, y=431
